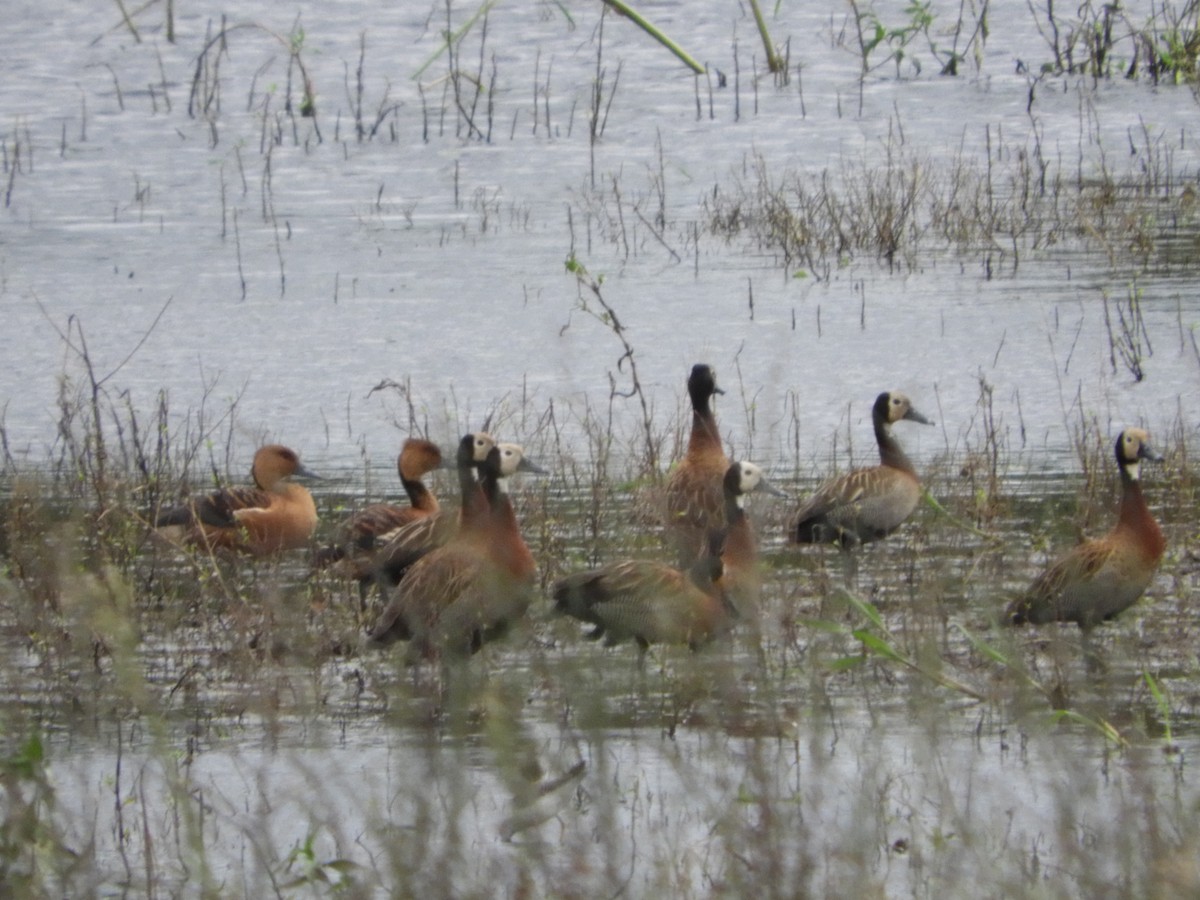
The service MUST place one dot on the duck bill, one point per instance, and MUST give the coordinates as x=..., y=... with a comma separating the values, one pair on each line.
x=528, y=465
x=1149, y=454
x=767, y=488
x=913, y=416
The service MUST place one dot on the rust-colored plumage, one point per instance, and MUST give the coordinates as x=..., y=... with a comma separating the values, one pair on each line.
x=272, y=516
x=694, y=496
x=402, y=546
x=1103, y=576
x=470, y=591
x=739, y=550
x=866, y=504
x=650, y=602
x=358, y=537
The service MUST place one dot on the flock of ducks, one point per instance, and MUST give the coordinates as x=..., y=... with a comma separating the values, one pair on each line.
x=454, y=581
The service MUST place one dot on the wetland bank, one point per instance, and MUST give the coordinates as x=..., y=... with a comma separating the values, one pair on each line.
x=544, y=228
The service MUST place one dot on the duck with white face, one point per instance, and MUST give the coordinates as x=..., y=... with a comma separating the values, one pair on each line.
x=1104, y=576
x=866, y=504
x=461, y=596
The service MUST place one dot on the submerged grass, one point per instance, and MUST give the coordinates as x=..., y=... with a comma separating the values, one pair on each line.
x=239, y=733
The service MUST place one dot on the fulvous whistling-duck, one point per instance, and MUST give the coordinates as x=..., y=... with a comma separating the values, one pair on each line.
x=651, y=602
x=1102, y=576
x=739, y=552
x=400, y=547
x=274, y=515
x=866, y=504
x=358, y=537
x=469, y=592
x=694, y=499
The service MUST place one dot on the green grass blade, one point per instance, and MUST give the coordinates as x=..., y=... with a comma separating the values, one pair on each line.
x=454, y=38
x=865, y=608
x=1160, y=700
x=634, y=16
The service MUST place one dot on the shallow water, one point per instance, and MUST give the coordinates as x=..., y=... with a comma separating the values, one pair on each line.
x=265, y=724
x=406, y=259
x=295, y=276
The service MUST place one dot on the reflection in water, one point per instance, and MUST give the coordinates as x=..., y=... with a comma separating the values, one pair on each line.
x=839, y=799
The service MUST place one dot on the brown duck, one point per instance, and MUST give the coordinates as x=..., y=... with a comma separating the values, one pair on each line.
x=739, y=552
x=272, y=516
x=402, y=546
x=694, y=496
x=470, y=591
x=651, y=602
x=358, y=539
x=1103, y=576
x=870, y=503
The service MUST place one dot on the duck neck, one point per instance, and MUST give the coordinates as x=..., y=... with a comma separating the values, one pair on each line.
x=739, y=536
x=508, y=545
x=299, y=503
x=704, y=438
x=420, y=496
x=890, y=453
x=1135, y=515
x=735, y=513
x=474, y=501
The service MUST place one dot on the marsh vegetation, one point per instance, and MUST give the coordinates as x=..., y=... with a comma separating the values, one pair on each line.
x=338, y=234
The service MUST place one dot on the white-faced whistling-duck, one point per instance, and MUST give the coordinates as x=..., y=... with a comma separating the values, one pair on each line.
x=651, y=602
x=870, y=503
x=460, y=596
x=739, y=552
x=1102, y=576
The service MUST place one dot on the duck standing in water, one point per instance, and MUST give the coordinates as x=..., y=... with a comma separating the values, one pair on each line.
x=403, y=546
x=361, y=536
x=651, y=602
x=460, y=596
x=1103, y=576
x=694, y=494
x=272, y=516
x=866, y=504
x=739, y=552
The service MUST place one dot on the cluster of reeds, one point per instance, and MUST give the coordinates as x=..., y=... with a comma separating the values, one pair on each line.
x=109, y=631
x=905, y=204
x=1103, y=40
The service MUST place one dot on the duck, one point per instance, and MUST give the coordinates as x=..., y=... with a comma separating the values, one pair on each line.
x=469, y=592
x=1102, y=577
x=739, y=548
x=694, y=497
x=398, y=548
x=273, y=516
x=866, y=504
x=359, y=536
x=651, y=602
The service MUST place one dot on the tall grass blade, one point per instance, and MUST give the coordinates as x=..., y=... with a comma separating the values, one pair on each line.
x=638, y=19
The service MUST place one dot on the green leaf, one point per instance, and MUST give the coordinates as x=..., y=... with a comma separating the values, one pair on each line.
x=878, y=645
x=842, y=663
x=866, y=609
x=986, y=649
